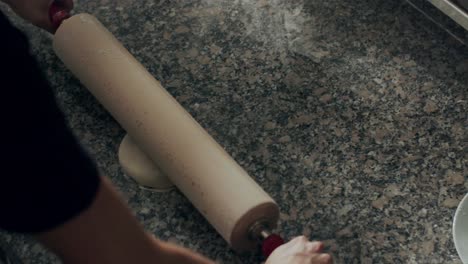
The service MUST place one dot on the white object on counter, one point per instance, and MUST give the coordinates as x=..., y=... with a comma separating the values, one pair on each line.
x=137, y=165
x=460, y=229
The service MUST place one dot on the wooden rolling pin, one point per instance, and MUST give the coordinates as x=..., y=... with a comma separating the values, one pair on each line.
x=234, y=204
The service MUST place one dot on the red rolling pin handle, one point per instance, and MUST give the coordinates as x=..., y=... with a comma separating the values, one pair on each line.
x=269, y=242
x=57, y=13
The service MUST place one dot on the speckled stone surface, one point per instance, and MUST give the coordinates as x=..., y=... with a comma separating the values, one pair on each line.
x=351, y=114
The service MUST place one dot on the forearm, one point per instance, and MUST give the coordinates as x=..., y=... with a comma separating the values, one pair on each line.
x=107, y=232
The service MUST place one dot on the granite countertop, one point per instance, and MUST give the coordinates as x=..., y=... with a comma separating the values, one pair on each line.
x=351, y=114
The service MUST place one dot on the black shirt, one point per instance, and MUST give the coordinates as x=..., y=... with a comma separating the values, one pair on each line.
x=45, y=176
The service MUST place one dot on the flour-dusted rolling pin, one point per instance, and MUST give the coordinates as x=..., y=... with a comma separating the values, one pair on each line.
x=234, y=204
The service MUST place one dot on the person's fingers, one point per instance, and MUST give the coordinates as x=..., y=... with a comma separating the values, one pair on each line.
x=314, y=247
x=302, y=244
x=38, y=15
x=299, y=239
x=37, y=12
x=297, y=244
x=42, y=20
x=321, y=259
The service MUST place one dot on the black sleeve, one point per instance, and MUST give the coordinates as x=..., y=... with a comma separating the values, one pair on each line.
x=46, y=178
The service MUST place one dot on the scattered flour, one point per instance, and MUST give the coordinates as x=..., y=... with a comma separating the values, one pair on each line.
x=279, y=24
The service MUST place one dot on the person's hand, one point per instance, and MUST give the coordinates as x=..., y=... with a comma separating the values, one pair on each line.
x=37, y=11
x=299, y=251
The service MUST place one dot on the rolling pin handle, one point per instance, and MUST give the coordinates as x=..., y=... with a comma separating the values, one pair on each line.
x=269, y=241
x=269, y=244
x=57, y=14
